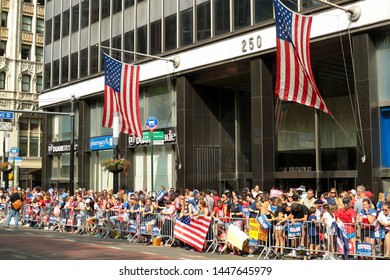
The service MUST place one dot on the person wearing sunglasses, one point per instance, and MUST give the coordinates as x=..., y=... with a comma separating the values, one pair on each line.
x=384, y=220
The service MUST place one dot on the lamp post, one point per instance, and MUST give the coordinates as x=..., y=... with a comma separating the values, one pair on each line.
x=6, y=152
x=115, y=132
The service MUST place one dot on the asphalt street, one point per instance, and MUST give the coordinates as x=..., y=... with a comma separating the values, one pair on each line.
x=38, y=244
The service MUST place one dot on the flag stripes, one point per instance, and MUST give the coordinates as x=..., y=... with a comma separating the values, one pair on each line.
x=194, y=233
x=121, y=94
x=294, y=78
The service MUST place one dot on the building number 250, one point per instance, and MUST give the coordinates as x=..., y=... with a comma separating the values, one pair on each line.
x=251, y=43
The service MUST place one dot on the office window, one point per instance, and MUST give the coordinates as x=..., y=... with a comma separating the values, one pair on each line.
x=170, y=33
x=39, y=84
x=74, y=65
x=3, y=48
x=84, y=13
x=29, y=137
x=39, y=54
x=222, y=16
x=57, y=27
x=242, y=14
x=116, y=6
x=84, y=63
x=142, y=40
x=186, y=27
x=75, y=18
x=264, y=10
x=47, y=75
x=56, y=73
x=65, y=23
x=116, y=44
x=26, y=23
x=26, y=80
x=64, y=69
x=155, y=37
x=41, y=2
x=129, y=3
x=203, y=21
x=93, y=59
x=48, y=32
x=128, y=45
x=104, y=44
x=105, y=9
x=2, y=80
x=4, y=19
x=95, y=11
x=40, y=26
x=25, y=53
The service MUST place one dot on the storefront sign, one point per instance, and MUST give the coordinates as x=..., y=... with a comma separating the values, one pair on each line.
x=161, y=136
x=101, y=143
x=297, y=168
x=59, y=149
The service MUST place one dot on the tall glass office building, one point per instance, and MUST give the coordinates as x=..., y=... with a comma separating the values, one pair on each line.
x=216, y=110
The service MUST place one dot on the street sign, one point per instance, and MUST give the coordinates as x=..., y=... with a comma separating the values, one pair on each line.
x=16, y=160
x=14, y=150
x=6, y=121
x=7, y=115
x=151, y=123
x=158, y=137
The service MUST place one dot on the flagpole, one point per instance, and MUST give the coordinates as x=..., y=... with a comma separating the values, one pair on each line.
x=175, y=60
x=355, y=11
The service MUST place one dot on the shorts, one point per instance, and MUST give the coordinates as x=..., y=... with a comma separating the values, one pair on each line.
x=351, y=235
x=279, y=227
x=367, y=232
x=151, y=222
x=315, y=239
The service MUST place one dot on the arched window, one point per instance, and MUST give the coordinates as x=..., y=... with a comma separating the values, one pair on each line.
x=26, y=79
x=2, y=80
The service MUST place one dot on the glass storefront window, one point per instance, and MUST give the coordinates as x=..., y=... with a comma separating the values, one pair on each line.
x=163, y=168
x=96, y=115
x=61, y=125
x=61, y=167
x=295, y=140
x=100, y=179
x=160, y=103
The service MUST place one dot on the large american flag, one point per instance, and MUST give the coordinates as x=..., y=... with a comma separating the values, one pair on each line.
x=121, y=94
x=192, y=231
x=294, y=77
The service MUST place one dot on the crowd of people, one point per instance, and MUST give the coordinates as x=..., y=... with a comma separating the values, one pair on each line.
x=356, y=209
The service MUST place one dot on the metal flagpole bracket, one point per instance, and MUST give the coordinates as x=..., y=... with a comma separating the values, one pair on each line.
x=354, y=11
x=175, y=60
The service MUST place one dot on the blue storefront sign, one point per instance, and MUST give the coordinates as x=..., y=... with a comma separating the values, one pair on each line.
x=101, y=143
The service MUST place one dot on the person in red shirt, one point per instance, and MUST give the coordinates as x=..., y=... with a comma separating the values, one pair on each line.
x=347, y=215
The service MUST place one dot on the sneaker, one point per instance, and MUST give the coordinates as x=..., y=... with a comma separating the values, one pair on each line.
x=292, y=254
x=232, y=253
x=250, y=256
x=300, y=247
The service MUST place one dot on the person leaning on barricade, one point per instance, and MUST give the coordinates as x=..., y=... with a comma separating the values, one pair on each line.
x=384, y=220
x=168, y=212
x=367, y=218
x=299, y=214
x=14, y=211
x=347, y=216
x=313, y=233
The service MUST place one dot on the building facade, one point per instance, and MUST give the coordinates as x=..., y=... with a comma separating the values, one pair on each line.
x=218, y=127
x=21, y=79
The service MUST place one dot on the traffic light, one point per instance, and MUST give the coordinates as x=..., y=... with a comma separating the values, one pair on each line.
x=10, y=176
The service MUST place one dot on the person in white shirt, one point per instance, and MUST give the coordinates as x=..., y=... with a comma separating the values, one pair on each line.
x=384, y=220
